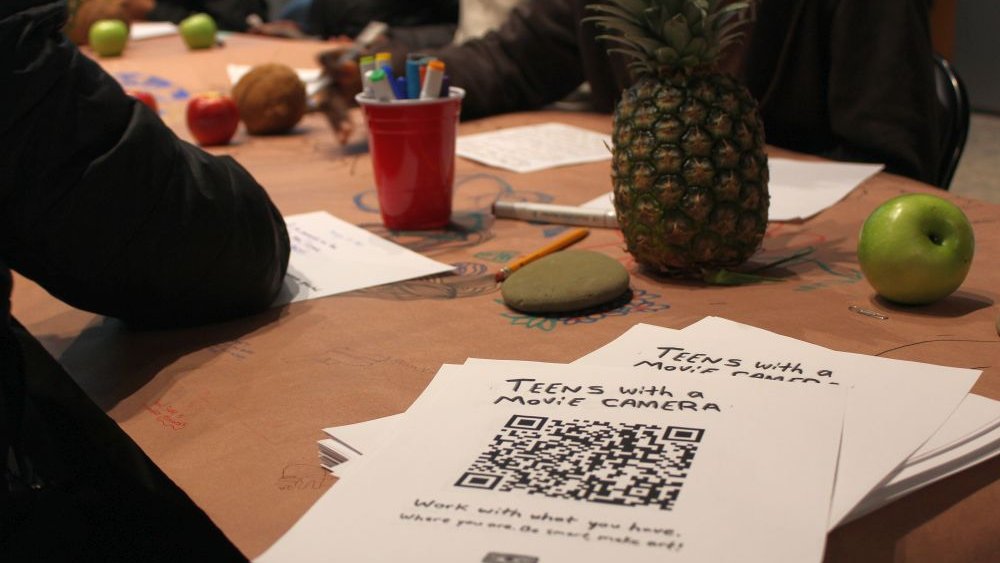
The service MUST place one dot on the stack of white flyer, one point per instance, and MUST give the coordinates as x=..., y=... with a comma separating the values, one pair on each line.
x=717, y=442
x=516, y=461
x=970, y=435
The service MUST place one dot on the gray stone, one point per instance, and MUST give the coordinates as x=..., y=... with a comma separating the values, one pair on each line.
x=565, y=281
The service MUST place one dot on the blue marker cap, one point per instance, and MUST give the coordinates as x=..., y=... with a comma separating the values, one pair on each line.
x=401, y=87
x=400, y=93
x=413, y=78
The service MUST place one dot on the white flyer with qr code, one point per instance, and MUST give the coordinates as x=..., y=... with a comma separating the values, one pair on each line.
x=524, y=462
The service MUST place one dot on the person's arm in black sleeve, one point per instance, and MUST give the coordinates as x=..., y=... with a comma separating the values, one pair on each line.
x=230, y=15
x=104, y=207
x=532, y=60
x=422, y=37
x=346, y=18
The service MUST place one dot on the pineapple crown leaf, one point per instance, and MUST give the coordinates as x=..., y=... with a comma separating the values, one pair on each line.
x=666, y=55
x=615, y=13
x=696, y=46
x=625, y=51
x=634, y=45
x=726, y=277
x=670, y=35
x=726, y=13
x=631, y=6
x=675, y=32
x=624, y=29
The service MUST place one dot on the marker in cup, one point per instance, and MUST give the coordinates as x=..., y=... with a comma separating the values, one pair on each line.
x=379, y=82
x=432, y=80
x=366, y=64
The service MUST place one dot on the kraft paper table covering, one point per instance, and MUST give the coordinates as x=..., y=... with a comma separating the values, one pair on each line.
x=232, y=411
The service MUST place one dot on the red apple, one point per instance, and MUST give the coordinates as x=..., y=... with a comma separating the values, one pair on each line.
x=144, y=97
x=212, y=118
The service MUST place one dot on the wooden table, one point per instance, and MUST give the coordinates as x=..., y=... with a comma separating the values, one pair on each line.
x=232, y=411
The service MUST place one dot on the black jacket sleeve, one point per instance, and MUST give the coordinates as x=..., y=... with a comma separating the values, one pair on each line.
x=531, y=61
x=334, y=18
x=103, y=206
x=230, y=15
x=844, y=79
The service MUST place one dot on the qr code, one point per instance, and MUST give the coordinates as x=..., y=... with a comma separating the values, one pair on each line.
x=594, y=461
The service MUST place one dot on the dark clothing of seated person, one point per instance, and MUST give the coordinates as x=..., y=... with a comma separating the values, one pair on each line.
x=229, y=15
x=104, y=207
x=843, y=79
x=346, y=18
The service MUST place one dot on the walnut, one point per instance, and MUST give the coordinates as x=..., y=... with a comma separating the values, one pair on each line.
x=271, y=99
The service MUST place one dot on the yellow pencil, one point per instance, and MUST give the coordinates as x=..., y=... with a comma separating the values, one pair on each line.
x=558, y=244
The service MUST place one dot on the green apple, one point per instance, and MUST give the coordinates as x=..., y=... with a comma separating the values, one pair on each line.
x=198, y=31
x=108, y=37
x=916, y=248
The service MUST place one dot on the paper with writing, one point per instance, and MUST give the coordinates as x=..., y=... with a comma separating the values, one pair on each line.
x=531, y=148
x=882, y=425
x=331, y=256
x=586, y=463
x=799, y=189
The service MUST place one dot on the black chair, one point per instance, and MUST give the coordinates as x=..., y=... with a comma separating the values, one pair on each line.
x=955, y=110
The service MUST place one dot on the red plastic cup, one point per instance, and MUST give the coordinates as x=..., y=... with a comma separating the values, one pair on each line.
x=412, y=145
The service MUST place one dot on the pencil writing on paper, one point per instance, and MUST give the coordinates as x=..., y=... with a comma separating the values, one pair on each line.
x=558, y=244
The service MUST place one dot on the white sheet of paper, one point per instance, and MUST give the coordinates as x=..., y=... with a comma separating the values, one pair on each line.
x=970, y=436
x=595, y=464
x=882, y=427
x=357, y=435
x=354, y=440
x=330, y=255
x=309, y=76
x=148, y=30
x=530, y=148
x=799, y=189
x=975, y=423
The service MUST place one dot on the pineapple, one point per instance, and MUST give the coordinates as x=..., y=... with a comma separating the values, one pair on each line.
x=689, y=169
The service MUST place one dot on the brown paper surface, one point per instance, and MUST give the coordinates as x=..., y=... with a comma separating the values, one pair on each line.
x=232, y=411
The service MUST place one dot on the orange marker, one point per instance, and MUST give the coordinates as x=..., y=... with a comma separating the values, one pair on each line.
x=433, y=76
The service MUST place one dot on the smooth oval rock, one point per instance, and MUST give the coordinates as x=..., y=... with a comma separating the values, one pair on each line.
x=566, y=281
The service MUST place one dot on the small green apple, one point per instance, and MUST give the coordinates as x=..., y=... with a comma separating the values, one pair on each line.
x=108, y=37
x=198, y=31
x=916, y=248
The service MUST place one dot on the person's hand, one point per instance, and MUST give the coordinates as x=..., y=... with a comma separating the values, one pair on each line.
x=138, y=9
x=83, y=13
x=280, y=28
x=342, y=81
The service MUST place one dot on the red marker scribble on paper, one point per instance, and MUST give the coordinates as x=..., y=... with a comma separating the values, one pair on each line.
x=167, y=415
